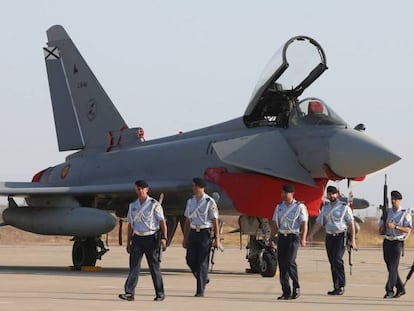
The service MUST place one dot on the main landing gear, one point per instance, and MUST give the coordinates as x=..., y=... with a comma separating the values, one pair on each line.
x=86, y=251
x=261, y=255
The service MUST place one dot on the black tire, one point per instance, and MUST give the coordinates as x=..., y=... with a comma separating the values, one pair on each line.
x=254, y=265
x=268, y=266
x=84, y=253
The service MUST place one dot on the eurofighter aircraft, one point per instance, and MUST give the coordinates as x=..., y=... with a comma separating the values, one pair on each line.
x=281, y=138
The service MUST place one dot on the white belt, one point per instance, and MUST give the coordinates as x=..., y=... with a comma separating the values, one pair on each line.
x=198, y=228
x=288, y=232
x=334, y=232
x=394, y=238
x=144, y=233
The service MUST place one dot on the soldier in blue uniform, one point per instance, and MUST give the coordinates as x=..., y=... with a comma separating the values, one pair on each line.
x=337, y=219
x=291, y=218
x=145, y=221
x=397, y=227
x=201, y=215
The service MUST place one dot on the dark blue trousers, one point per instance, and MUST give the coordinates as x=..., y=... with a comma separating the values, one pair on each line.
x=287, y=250
x=392, y=253
x=144, y=245
x=198, y=253
x=335, y=248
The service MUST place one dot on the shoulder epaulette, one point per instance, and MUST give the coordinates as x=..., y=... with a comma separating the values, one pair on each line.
x=207, y=199
x=153, y=201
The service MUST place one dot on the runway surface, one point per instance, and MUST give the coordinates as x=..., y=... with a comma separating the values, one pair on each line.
x=36, y=277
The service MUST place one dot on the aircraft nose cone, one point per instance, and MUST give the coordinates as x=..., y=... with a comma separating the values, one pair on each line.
x=353, y=154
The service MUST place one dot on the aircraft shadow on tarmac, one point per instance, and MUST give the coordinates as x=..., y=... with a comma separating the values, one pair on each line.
x=105, y=272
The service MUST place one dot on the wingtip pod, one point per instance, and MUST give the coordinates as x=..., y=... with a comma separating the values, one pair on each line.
x=57, y=33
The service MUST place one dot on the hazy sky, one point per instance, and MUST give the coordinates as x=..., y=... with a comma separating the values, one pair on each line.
x=180, y=65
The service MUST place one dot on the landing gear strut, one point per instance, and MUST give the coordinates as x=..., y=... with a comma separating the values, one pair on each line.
x=86, y=251
x=261, y=257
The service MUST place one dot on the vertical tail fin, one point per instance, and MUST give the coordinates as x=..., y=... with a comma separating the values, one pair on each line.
x=83, y=112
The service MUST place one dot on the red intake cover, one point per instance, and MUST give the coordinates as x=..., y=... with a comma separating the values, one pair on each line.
x=257, y=195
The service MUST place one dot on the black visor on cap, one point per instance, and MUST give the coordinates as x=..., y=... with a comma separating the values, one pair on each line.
x=396, y=194
x=141, y=184
x=331, y=189
x=288, y=188
x=199, y=182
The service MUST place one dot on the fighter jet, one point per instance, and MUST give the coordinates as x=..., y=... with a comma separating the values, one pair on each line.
x=281, y=138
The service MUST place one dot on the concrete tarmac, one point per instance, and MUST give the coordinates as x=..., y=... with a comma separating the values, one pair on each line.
x=36, y=277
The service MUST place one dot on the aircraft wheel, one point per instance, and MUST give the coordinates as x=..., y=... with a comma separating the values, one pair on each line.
x=268, y=266
x=84, y=253
x=254, y=265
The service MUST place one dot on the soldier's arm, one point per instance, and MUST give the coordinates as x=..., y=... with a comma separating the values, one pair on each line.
x=402, y=229
x=130, y=232
x=273, y=229
x=163, y=227
x=186, y=231
x=304, y=233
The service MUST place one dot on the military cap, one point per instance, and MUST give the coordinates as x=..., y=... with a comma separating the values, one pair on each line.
x=396, y=195
x=199, y=182
x=288, y=188
x=141, y=184
x=331, y=189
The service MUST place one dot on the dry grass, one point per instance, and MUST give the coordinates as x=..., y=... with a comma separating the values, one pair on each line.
x=368, y=235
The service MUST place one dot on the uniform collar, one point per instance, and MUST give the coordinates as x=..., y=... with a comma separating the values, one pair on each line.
x=291, y=203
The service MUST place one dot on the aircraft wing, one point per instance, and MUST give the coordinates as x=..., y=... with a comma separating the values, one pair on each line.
x=38, y=188
x=266, y=153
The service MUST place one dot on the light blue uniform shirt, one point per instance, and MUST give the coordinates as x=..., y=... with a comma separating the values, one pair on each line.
x=335, y=217
x=288, y=218
x=145, y=217
x=401, y=217
x=201, y=213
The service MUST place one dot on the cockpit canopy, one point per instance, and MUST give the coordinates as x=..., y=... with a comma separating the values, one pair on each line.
x=290, y=71
x=313, y=111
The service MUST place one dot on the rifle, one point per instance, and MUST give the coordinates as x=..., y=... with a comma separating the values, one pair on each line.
x=384, y=208
x=212, y=248
x=158, y=235
x=349, y=249
x=410, y=273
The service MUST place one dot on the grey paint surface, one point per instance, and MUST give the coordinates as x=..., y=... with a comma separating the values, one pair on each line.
x=271, y=139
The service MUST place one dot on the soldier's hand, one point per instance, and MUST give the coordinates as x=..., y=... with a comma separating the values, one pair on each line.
x=390, y=225
x=184, y=243
x=163, y=244
x=128, y=248
x=354, y=246
x=216, y=242
x=303, y=242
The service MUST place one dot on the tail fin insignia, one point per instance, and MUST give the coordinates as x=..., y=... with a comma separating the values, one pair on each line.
x=84, y=114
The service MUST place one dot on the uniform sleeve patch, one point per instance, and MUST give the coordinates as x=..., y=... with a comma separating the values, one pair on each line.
x=213, y=207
